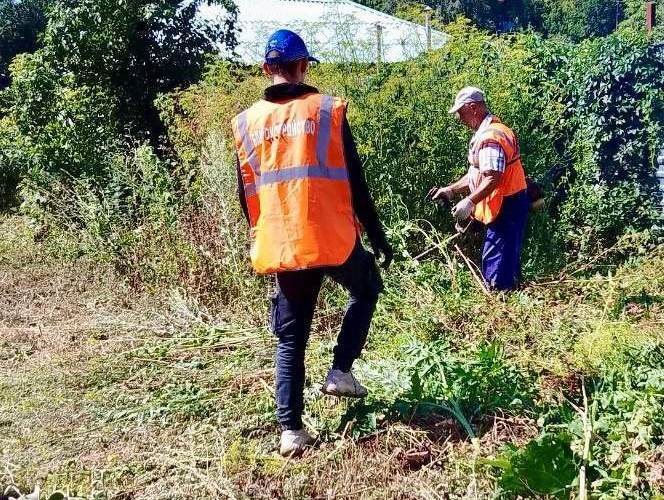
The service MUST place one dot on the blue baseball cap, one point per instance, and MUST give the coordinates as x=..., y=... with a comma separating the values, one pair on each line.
x=288, y=47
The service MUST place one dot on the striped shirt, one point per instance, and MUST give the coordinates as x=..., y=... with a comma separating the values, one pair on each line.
x=491, y=156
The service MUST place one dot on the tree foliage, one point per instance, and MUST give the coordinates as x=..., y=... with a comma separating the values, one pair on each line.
x=90, y=89
x=577, y=19
x=616, y=111
x=21, y=22
x=573, y=20
x=134, y=49
x=495, y=15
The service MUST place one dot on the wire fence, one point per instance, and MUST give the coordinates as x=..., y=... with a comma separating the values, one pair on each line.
x=339, y=37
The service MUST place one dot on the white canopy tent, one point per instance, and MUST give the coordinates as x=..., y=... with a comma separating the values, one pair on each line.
x=334, y=30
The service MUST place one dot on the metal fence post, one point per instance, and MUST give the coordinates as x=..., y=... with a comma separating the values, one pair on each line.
x=379, y=43
x=427, y=25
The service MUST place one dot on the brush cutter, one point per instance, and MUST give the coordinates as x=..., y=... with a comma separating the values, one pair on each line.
x=447, y=205
x=460, y=229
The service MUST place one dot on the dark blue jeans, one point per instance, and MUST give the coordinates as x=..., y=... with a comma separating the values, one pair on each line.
x=292, y=311
x=501, y=255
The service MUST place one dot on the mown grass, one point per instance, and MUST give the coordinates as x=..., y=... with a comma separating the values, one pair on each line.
x=107, y=393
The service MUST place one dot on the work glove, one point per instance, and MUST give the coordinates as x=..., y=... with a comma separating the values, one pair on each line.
x=440, y=195
x=383, y=252
x=463, y=210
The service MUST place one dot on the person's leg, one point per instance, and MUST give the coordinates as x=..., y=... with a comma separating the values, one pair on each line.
x=501, y=251
x=492, y=255
x=360, y=276
x=292, y=312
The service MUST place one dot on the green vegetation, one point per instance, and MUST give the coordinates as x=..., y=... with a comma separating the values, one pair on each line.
x=573, y=20
x=164, y=397
x=599, y=157
x=89, y=90
x=21, y=23
x=135, y=361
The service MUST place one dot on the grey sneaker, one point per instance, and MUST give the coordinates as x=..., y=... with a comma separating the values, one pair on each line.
x=338, y=383
x=293, y=443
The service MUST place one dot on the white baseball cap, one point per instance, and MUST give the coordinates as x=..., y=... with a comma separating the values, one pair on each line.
x=465, y=96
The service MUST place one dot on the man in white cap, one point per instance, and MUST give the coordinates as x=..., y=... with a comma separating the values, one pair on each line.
x=496, y=186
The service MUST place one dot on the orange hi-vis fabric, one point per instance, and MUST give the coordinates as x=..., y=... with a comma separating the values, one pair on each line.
x=514, y=177
x=296, y=183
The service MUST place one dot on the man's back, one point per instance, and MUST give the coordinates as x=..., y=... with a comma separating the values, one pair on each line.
x=301, y=186
x=292, y=162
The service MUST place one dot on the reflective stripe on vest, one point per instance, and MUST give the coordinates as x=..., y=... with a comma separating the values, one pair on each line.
x=324, y=124
x=291, y=173
x=513, y=179
x=296, y=183
x=308, y=172
x=246, y=142
x=299, y=172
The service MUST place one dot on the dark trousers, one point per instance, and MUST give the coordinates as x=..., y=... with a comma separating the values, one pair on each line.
x=292, y=311
x=501, y=255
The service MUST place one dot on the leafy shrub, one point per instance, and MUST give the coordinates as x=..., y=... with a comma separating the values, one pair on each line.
x=61, y=127
x=21, y=23
x=11, y=163
x=467, y=388
x=87, y=94
x=626, y=419
x=433, y=379
x=577, y=20
x=545, y=467
x=628, y=422
x=616, y=111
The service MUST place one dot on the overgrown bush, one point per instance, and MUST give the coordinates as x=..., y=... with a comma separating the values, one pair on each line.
x=89, y=89
x=616, y=432
x=588, y=136
x=21, y=23
x=616, y=110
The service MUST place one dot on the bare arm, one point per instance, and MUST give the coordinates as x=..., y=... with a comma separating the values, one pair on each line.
x=489, y=180
x=459, y=186
x=447, y=192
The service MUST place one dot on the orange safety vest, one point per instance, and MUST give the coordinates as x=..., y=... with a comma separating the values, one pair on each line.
x=514, y=177
x=296, y=183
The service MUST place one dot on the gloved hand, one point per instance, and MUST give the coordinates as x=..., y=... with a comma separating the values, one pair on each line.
x=440, y=194
x=463, y=210
x=383, y=251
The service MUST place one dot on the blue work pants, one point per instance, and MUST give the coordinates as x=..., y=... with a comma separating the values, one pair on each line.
x=292, y=312
x=501, y=254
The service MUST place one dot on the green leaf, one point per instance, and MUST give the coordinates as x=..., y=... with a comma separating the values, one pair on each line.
x=545, y=467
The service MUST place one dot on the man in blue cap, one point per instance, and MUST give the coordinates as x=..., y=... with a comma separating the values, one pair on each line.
x=303, y=191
